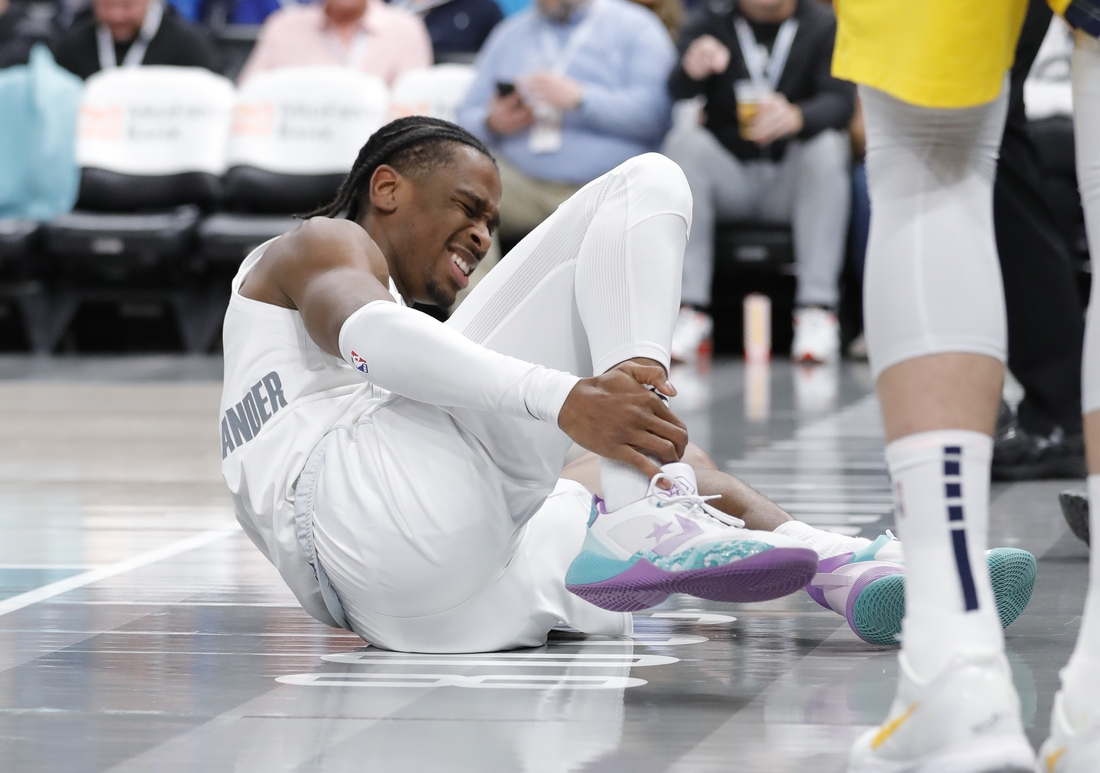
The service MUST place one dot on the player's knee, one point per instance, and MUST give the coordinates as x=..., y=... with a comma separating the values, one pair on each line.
x=659, y=186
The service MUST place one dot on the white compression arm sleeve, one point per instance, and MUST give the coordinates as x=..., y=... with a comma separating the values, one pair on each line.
x=408, y=353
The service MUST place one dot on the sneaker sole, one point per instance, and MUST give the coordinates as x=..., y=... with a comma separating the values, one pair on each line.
x=1075, y=509
x=772, y=574
x=878, y=609
x=999, y=754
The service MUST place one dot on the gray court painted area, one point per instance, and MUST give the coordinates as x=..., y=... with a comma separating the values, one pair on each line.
x=140, y=630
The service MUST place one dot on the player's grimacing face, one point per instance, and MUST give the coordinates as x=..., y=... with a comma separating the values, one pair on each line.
x=458, y=210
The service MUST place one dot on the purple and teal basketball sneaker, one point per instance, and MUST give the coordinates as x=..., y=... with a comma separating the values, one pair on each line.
x=868, y=587
x=673, y=542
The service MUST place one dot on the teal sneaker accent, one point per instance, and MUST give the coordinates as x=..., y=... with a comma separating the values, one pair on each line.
x=594, y=513
x=711, y=554
x=595, y=564
x=868, y=553
x=1013, y=574
x=590, y=567
x=879, y=609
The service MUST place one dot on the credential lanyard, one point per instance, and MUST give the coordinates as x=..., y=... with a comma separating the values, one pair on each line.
x=559, y=59
x=106, y=44
x=765, y=68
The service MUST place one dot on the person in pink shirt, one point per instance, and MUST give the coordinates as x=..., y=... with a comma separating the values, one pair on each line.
x=366, y=34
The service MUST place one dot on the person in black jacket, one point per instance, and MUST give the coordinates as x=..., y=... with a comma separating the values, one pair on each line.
x=458, y=27
x=134, y=32
x=21, y=26
x=788, y=164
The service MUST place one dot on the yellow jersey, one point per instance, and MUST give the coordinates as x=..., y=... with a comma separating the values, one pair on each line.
x=931, y=53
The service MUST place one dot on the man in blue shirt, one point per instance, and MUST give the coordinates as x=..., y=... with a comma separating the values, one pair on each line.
x=565, y=92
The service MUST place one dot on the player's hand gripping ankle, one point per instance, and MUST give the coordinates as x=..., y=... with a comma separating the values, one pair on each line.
x=614, y=415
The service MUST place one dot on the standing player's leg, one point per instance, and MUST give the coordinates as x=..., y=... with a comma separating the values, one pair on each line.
x=936, y=335
x=1074, y=743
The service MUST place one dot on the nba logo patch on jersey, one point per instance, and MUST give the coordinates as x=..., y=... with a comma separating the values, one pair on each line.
x=359, y=363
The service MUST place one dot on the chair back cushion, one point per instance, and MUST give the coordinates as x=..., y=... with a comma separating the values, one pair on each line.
x=104, y=191
x=435, y=91
x=258, y=191
x=152, y=137
x=306, y=120
x=155, y=121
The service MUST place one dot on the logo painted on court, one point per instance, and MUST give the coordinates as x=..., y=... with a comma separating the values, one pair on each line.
x=359, y=363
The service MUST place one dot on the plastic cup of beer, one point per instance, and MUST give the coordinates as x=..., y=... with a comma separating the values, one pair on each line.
x=758, y=328
x=749, y=95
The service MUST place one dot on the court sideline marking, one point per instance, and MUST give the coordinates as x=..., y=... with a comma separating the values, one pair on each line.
x=23, y=600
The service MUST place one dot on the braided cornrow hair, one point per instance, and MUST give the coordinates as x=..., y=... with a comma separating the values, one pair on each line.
x=410, y=144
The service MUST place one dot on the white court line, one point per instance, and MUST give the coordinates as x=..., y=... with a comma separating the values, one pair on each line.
x=95, y=575
x=60, y=567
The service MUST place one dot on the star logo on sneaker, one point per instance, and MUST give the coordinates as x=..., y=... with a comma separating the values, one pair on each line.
x=660, y=531
x=688, y=530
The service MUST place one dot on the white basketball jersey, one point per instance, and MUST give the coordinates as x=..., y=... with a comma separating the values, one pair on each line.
x=281, y=394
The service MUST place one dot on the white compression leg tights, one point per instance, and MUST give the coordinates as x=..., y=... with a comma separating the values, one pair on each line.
x=635, y=240
x=1081, y=677
x=1086, y=107
x=933, y=279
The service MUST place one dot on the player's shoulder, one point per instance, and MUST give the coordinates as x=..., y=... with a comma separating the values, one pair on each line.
x=319, y=245
x=326, y=240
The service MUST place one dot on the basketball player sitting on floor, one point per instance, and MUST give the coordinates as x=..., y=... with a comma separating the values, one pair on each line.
x=406, y=477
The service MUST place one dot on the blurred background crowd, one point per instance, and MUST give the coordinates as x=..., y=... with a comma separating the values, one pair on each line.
x=115, y=237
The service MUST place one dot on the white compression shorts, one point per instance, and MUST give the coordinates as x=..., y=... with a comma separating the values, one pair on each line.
x=933, y=282
x=1086, y=108
x=430, y=522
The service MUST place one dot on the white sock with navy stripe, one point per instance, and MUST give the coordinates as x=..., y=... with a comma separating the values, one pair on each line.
x=941, y=488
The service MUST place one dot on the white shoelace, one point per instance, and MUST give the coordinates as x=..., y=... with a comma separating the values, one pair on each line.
x=695, y=502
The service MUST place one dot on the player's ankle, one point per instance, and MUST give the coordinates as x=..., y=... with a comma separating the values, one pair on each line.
x=825, y=543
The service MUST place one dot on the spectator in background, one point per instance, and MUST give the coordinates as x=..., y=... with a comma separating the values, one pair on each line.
x=787, y=164
x=367, y=35
x=512, y=7
x=564, y=93
x=670, y=12
x=859, y=230
x=21, y=26
x=458, y=28
x=128, y=33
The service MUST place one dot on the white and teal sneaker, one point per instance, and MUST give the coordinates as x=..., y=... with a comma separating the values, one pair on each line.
x=868, y=587
x=671, y=541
